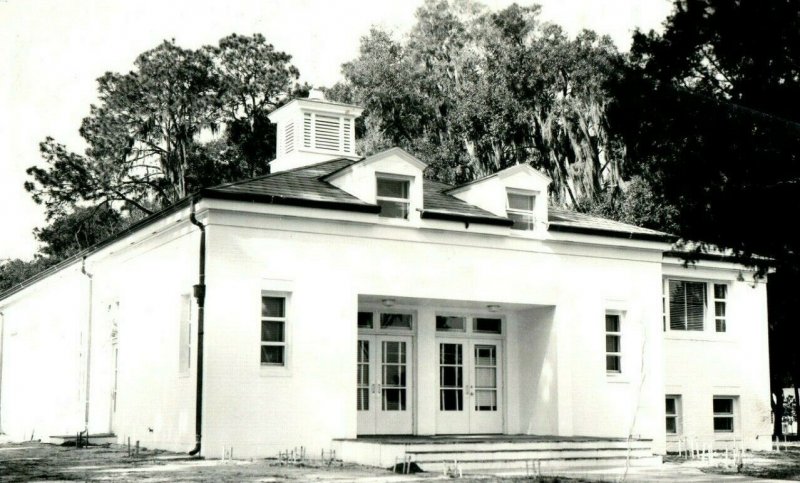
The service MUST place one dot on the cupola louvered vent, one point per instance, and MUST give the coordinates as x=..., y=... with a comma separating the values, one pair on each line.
x=288, y=137
x=312, y=130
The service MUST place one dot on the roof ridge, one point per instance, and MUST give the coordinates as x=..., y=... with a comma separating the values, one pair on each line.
x=270, y=175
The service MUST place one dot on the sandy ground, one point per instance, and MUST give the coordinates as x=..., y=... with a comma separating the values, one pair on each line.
x=43, y=462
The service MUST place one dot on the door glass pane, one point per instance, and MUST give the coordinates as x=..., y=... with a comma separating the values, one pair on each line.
x=485, y=378
x=362, y=388
x=393, y=376
x=451, y=382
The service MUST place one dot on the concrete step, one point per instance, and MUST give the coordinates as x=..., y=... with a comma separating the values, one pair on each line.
x=530, y=454
x=525, y=446
x=540, y=465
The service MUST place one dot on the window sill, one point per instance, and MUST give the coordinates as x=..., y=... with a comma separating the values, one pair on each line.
x=617, y=378
x=274, y=370
x=704, y=336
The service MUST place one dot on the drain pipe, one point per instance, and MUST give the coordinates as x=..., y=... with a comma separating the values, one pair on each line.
x=2, y=355
x=200, y=295
x=88, y=351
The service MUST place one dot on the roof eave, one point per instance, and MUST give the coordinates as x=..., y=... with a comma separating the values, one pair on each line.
x=446, y=216
x=655, y=237
x=289, y=201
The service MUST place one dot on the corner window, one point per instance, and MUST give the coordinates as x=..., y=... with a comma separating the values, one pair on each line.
x=723, y=414
x=520, y=210
x=673, y=409
x=687, y=305
x=393, y=197
x=720, y=301
x=613, y=344
x=273, y=331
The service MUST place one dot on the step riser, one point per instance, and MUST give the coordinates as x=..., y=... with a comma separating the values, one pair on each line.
x=478, y=447
x=525, y=455
x=543, y=466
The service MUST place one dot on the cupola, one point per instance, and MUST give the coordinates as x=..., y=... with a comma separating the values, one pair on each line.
x=313, y=130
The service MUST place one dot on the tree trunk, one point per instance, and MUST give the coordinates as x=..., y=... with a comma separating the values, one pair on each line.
x=777, y=411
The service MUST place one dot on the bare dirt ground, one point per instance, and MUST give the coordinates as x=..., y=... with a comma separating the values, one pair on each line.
x=783, y=465
x=44, y=462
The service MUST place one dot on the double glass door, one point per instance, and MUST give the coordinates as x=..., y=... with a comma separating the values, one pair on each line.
x=383, y=394
x=470, y=392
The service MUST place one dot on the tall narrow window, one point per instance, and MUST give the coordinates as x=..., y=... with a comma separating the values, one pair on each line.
x=613, y=344
x=520, y=210
x=687, y=305
x=720, y=301
x=273, y=331
x=362, y=390
x=723, y=414
x=451, y=377
x=673, y=408
x=393, y=197
x=185, y=335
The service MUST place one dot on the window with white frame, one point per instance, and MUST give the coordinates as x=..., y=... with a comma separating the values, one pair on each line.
x=723, y=414
x=673, y=413
x=520, y=209
x=687, y=305
x=393, y=196
x=720, y=306
x=273, y=330
x=613, y=344
x=185, y=335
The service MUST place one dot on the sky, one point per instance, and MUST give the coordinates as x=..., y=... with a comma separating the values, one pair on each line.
x=52, y=51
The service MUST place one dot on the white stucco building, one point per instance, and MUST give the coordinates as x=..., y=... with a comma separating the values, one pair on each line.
x=345, y=297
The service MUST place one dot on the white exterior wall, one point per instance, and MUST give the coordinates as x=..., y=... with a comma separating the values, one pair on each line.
x=325, y=266
x=43, y=353
x=701, y=365
x=44, y=346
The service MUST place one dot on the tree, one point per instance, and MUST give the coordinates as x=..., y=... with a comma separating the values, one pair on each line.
x=180, y=120
x=707, y=113
x=473, y=91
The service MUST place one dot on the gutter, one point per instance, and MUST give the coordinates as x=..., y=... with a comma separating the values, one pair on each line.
x=656, y=237
x=200, y=295
x=88, y=351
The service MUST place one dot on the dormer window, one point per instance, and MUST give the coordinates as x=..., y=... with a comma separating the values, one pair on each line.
x=520, y=210
x=393, y=197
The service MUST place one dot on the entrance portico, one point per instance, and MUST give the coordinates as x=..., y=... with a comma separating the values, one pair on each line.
x=442, y=367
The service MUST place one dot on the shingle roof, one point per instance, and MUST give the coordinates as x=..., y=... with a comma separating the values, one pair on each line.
x=305, y=186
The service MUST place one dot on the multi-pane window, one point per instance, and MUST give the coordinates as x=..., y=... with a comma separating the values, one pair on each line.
x=393, y=197
x=673, y=407
x=723, y=414
x=393, y=378
x=613, y=344
x=185, y=335
x=687, y=305
x=273, y=330
x=520, y=210
x=720, y=302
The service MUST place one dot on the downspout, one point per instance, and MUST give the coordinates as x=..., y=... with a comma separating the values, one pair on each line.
x=88, y=351
x=2, y=355
x=200, y=295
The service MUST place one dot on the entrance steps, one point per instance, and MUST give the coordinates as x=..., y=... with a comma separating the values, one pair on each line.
x=498, y=453
x=100, y=438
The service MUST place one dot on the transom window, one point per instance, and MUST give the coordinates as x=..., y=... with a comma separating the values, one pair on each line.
x=520, y=210
x=273, y=331
x=383, y=321
x=613, y=344
x=487, y=325
x=687, y=307
x=446, y=323
x=393, y=197
x=673, y=406
x=723, y=414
